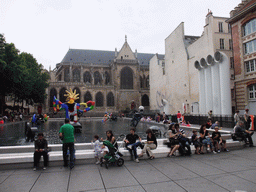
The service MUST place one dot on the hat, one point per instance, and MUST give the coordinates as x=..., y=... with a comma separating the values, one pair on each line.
x=246, y=109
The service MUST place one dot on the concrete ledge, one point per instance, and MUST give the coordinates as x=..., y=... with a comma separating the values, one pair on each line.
x=25, y=159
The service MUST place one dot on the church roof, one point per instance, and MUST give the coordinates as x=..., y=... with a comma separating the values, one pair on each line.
x=99, y=57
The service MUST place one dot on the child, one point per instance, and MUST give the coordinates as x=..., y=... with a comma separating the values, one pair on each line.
x=97, y=148
x=198, y=145
x=217, y=140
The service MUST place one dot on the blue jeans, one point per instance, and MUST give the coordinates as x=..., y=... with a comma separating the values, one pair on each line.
x=133, y=151
x=65, y=148
x=207, y=141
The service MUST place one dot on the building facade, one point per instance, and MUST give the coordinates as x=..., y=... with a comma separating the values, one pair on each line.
x=174, y=80
x=243, y=24
x=114, y=80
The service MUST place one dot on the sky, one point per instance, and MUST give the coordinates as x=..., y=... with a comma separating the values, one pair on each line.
x=48, y=28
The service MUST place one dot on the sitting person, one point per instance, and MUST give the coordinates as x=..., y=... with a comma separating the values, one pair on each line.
x=208, y=124
x=111, y=139
x=183, y=141
x=132, y=145
x=214, y=125
x=174, y=142
x=151, y=144
x=41, y=147
x=217, y=140
x=243, y=133
x=198, y=145
x=206, y=139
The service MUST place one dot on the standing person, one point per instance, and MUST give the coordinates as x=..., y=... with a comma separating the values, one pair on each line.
x=41, y=147
x=21, y=116
x=179, y=119
x=132, y=145
x=151, y=144
x=236, y=117
x=67, y=133
x=247, y=119
x=210, y=114
x=97, y=148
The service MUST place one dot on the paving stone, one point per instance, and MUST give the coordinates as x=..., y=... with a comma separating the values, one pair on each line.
x=52, y=181
x=18, y=183
x=126, y=189
x=83, y=180
x=200, y=168
x=3, y=177
x=248, y=175
x=117, y=177
x=147, y=174
x=175, y=171
x=163, y=186
x=6, y=172
x=199, y=184
x=233, y=183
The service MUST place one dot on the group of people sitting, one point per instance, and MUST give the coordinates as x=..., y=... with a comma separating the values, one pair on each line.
x=132, y=141
x=179, y=141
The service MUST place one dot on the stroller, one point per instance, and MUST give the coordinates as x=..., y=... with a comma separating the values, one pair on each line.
x=113, y=156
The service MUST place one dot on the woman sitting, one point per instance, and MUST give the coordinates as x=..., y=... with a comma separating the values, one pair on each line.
x=174, y=142
x=150, y=144
x=205, y=138
x=111, y=138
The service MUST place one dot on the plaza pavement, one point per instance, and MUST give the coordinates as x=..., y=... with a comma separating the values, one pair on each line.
x=226, y=171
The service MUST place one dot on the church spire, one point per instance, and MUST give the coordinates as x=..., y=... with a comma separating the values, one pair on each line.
x=125, y=38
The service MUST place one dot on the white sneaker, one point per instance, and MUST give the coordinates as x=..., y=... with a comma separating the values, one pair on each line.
x=44, y=168
x=130, y=146
x=208, y=149
x=219, y=151
x=214, y=152
x=137, y=160
x=98, y=162
x=34, y=169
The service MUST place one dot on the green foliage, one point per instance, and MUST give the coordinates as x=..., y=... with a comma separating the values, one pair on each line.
x=21, y=75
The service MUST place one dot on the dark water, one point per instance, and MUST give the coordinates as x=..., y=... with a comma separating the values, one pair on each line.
x=14, y=134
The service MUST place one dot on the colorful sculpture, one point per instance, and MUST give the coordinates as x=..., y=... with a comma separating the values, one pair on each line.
x=71, y=107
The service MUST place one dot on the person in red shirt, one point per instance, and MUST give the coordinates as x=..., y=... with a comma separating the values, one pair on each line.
x=179, y=117
x=1, y=121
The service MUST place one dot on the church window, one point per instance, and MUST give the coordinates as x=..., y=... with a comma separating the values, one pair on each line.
x=107, y=78
x=53, y=93
x=126, y=78
x=145, y=100
x=97, y=78
x=110, y=99
x=62, y=93
x=66, y=75
x=87, y=96
x=99, y=99
x=76, y=75
x=87, y=77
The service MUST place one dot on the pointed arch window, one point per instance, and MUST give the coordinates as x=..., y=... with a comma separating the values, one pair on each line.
x=66, y=75
x=53, y=93
x=126, y=78
x=97, y=78
x=145, y=100
x=87, y=96
x=62, y=93
x=87, y=77
x=110, y=100
x=76, y=75
x=99, y=99
x=107, y=78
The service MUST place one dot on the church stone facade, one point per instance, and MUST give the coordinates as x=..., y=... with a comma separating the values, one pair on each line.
x=115, y=80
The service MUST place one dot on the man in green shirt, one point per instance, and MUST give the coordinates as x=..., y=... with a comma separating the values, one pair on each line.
x=67, y=134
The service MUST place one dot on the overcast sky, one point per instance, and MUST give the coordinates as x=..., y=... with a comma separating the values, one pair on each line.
x=48, y=28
